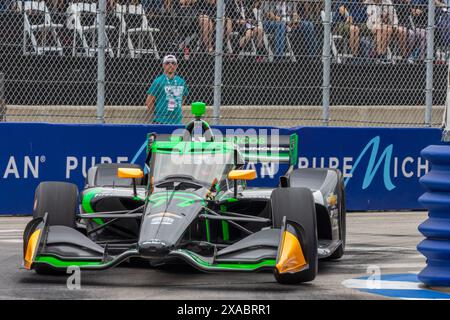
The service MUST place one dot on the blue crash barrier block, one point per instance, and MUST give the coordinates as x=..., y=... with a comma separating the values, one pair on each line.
x=435, y=200
x=436, y=229
x=436, y=274
x=437, y=180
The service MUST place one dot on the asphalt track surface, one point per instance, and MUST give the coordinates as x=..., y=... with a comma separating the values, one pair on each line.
x=386, y=240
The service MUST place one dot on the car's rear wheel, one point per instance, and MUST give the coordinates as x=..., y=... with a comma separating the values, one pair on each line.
x=297, y=205
x=339, y=252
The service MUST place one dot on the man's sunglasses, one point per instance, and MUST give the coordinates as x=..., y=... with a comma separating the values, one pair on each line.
x=174, y=63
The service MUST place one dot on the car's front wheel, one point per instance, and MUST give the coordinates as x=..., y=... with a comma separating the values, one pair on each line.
x=59, y=200
x=297, y=205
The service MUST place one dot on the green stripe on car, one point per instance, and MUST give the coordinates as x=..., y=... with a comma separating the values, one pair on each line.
x=55, y=262
x=231, y=266
x=86, y=203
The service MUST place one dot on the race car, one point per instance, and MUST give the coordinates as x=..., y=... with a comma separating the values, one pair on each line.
x=190, y=203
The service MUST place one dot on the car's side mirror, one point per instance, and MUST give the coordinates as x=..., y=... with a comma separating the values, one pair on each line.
x=133, y=173
x=242, y=174
x=127, y=173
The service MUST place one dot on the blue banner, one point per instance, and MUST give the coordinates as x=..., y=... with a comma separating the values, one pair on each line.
x=381, y=166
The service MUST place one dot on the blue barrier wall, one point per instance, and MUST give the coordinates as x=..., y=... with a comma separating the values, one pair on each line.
x=382, y=166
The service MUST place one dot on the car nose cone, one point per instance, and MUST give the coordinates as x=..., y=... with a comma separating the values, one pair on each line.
x=153, y=248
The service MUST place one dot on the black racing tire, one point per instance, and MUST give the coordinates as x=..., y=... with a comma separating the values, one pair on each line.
x=339, y=252
x=297, y=205
x=59, y=199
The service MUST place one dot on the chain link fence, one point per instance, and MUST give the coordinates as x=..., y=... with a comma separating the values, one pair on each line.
x=255, y=62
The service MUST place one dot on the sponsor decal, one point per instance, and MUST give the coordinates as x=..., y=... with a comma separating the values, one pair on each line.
x=154, y=242
x=161, y=220
x=331, y=199
x=76, y=164
x=22, y=167
x=166, y=214
x=380, y=162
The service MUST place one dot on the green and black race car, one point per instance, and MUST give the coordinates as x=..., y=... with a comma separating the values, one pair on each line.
x=191, y=204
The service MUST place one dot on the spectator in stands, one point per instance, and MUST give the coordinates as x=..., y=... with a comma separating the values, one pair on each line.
x=404, y=29
x=313, y=12
x=207, y=11
x=166, y=94
x=274, y=16
x=413, y=21
x=442, y=30
x=184, y=22
x=280, y=17
x=299, y=26
x=350, y=21
x=419, y=16
x=381, y=19
x=154, y=7
x=241, y=14
x=111, y=4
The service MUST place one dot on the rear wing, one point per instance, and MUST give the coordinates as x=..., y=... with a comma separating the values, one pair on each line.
x=263, y=149
x=253, y=147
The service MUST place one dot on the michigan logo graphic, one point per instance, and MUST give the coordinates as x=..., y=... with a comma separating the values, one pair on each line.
x=373, y=165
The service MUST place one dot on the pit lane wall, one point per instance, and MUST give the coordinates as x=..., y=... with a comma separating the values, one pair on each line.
x=381, y=166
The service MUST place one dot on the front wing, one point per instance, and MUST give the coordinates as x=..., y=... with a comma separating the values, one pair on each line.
x=60, y=247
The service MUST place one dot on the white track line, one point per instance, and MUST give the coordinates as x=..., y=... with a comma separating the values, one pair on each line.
x=432, y=299
x=381, y=284
x=11, y=231
x=395, y=249
x=11, y=240
x=382, y=266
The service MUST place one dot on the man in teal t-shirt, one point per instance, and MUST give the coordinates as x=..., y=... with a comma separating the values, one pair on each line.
x=166, y=94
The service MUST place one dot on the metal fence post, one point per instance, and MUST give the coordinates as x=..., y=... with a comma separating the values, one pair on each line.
x=101, y=62
x=2, y=98
x=218, y=61
x=429, y=62
x=446, y=120
x=326, y=59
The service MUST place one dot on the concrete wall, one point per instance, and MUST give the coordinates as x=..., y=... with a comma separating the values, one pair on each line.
x=354, y=116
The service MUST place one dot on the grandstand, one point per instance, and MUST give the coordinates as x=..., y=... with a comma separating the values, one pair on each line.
x=272, y=59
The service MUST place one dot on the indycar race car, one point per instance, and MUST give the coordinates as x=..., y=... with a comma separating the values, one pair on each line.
x=190, y=203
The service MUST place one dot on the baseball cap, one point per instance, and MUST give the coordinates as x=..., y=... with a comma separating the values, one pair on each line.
x=169, y=58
